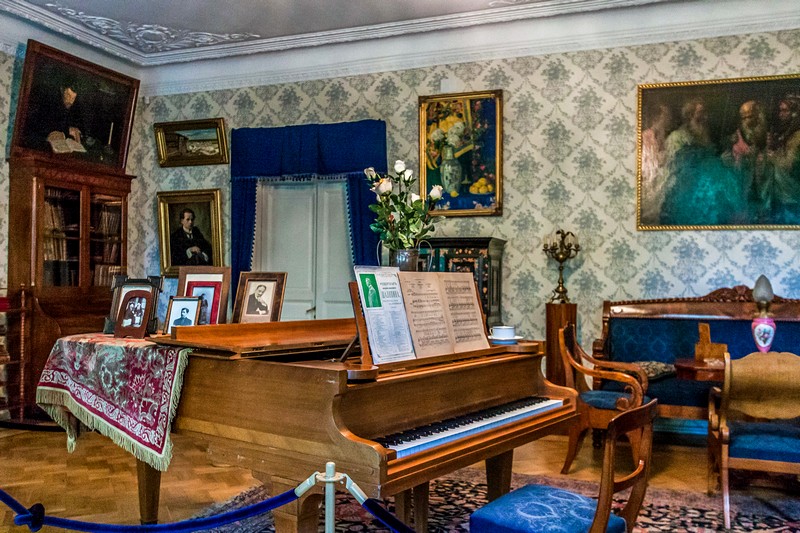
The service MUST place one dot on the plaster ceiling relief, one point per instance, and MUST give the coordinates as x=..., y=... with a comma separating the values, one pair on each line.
x=148, y=38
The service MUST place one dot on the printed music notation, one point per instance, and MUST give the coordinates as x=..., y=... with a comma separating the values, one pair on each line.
x=443, y=312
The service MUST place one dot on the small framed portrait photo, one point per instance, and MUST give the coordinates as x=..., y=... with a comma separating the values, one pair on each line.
x=259, y=297
x=121, y=286
x=134, y=312
x=182, y=311
x=210, y=285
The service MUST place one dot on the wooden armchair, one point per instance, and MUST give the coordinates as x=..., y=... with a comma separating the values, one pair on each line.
x=536, y=508
x=596, y=408
x=752, y=420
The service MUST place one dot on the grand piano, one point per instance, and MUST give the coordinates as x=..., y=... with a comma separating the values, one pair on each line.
x=278, y=399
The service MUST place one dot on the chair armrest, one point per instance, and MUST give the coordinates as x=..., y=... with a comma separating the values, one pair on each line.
x=632, y=385
x=714, y=399
x=628, y=368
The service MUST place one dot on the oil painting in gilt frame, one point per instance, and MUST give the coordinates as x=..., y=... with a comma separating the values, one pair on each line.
x=71, y=109
x=191, y=142
x=185, y=242
x=461, y=149
x=719, y=154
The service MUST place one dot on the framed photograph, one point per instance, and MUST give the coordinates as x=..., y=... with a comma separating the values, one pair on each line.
x=73, y=110
x=189, y=229
x=169, y=289
x=259, y=297
x=191, y=142
x=132, y=318
x=210, y=285
x=461, y=149
x=120, y=287
x=182, y=311
x=719, y=154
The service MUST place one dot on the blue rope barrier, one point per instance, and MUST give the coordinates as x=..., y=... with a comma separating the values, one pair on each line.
x=35, y=517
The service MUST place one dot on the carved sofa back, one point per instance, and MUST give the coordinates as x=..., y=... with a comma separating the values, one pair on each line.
x=667, y=329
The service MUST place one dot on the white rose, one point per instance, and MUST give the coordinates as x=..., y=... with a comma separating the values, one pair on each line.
x=437, y=135
x=399, y=166
x=384, y=186
x=414, y=197
x=371, y=174
x=457, y=128
x=409, y=175
x=453, y=139
x=436, y=192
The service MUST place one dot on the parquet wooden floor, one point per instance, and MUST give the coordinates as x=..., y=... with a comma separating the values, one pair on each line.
x=97, y=482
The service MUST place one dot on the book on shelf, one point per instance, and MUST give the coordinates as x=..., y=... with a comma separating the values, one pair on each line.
x=412, y=315
x=61, y=144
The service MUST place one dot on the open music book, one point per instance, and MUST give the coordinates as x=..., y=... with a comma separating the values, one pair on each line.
x=419, y=314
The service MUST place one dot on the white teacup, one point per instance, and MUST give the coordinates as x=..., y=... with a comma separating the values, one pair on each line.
x=503, y=332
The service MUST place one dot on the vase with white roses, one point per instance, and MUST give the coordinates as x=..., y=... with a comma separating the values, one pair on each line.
x=403, y=217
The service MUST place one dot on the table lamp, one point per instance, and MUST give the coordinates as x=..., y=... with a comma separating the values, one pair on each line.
x=763, y=327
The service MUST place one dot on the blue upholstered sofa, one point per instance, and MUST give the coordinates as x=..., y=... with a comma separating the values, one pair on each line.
x=665, y=330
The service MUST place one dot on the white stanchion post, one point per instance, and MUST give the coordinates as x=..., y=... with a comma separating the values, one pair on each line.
x=330, y=496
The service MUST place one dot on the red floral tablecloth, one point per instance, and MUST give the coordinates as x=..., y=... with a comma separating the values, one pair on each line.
x=126, y=389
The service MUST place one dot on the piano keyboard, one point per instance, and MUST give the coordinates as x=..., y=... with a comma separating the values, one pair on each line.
x=425, y=437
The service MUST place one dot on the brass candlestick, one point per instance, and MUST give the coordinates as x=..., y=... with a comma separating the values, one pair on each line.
x=561, y=245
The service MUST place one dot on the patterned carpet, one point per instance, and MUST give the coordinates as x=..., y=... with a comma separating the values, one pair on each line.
x=454, y=497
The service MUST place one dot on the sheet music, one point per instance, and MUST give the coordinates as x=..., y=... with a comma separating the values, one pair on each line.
x=463, y=306
x=444, y=312
x=426, y=313
x=382, y=303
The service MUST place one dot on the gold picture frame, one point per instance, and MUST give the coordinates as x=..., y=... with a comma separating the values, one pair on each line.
x=718, y=154
x=461, y=149
x=191, y=142
x=206, y=205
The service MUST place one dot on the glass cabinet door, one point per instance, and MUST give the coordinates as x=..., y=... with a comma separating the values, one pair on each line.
x=61, y=242
x=105, y=239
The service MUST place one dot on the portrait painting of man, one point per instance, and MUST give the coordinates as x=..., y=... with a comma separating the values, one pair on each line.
x=189, y=229
x=70, y=108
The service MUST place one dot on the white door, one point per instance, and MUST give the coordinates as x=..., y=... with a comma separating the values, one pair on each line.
x=301, y=229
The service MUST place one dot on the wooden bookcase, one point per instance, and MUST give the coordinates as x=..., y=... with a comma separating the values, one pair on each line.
x=483, y=256
x=67, y=240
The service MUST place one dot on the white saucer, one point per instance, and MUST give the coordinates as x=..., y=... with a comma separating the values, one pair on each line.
x=510, y=340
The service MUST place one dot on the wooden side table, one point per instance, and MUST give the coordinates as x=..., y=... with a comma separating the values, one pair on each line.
x=700, y=370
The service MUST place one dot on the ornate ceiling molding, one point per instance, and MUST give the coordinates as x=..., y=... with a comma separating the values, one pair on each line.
x=147, y=38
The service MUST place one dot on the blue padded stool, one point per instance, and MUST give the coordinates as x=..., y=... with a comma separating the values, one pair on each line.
x=544, y=509
x=536, y=508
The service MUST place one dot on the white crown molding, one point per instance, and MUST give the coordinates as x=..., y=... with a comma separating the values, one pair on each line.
x=608, y=29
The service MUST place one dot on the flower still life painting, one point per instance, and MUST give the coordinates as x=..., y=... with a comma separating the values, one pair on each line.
x=461, y=150
x=403, y=217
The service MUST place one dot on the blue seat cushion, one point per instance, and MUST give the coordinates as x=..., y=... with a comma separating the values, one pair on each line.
x=535, y=508
x=765, y=441
x=673, y=391
x=605, y=399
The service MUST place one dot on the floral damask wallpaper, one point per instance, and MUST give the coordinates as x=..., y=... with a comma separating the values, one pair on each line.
x=569, y=162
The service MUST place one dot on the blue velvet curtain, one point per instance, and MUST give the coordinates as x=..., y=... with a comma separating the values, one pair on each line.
x=293, y=152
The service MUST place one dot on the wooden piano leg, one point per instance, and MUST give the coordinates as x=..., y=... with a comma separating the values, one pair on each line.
x=149, y=480
x=498, y=474
x=402, y=506
x=300, y=516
